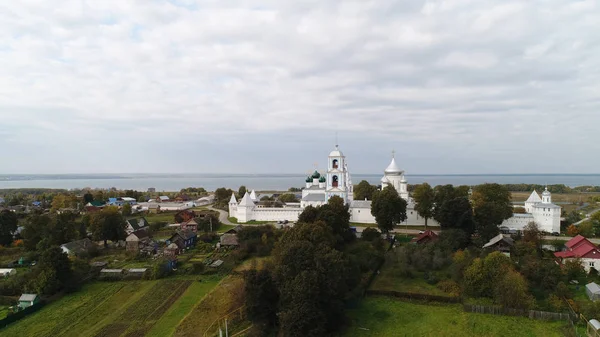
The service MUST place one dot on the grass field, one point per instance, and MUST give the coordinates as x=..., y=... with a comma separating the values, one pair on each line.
x=168, y=217
x=378, y=316
x=167, y=324
x=117, y=309
x=216, y=304
x=417, y=285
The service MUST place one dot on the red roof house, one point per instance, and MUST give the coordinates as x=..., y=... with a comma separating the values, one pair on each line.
x=582, y=248
x=425, y=237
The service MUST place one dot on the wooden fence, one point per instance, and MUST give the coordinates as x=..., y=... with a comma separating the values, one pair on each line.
x=533, y=314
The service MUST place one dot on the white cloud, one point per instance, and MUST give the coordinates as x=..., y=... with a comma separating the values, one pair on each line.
x=435, y=73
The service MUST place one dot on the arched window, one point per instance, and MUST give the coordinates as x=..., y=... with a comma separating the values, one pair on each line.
x=334, y=181
x=334, y=164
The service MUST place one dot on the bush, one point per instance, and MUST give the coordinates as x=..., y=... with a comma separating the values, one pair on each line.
x=449, y=287
x=370, y=234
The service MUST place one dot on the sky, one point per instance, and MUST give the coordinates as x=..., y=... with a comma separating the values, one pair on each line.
x=241, y=86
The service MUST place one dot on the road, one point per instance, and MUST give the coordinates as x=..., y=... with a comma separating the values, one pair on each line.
x=223, y=216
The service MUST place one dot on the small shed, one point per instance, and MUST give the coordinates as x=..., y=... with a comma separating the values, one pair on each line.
x=216, y=264
x=5, y=272
x=27, y=300
x=593, y=291
x=111, y=274
x=137, y=272
x=593, y=327
x=229, y=240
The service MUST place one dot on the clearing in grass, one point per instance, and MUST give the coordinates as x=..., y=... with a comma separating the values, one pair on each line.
x=379, y=316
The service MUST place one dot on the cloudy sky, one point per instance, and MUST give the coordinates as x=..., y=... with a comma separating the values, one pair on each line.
x=454, y=86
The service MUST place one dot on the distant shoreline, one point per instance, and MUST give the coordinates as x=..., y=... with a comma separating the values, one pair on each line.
x=264, y=182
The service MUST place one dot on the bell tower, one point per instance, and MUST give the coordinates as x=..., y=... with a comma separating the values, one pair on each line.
x=336, y=175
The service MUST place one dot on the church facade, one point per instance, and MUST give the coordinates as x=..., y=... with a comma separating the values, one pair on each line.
x=539, y=210
x=320, y=188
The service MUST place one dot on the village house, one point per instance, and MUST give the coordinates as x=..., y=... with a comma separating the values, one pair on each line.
x=191, y=225
x=580, y=248
x=136, y=224
x=137, y=240
x=79, y=247
x=425, y=237
x=185, y=215
x=184, y=239
x=500, y=243
x=28, y=300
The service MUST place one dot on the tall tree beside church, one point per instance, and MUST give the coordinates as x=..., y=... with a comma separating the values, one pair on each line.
x=8, y=225
x=364, y=190
x=335, y=213
x=491, y=206
x=424, y=199
x=455, y=213
x=241, y=191
x=108, y=224
x=388, y=208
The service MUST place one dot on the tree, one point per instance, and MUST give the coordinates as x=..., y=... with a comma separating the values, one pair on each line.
x=572, y=230
x=586, y=229
x=370, y=234
x=108, y=224
x=288, y=197
x=54, y=271
x=424, y=201
x=574, y=217
x=87, y=198
x=388, y=208
x=455, y=213
x=511, y=291
x=63, y=201
x=35, y=229
x=313, y=280
x=63, y=228
x=491, y=206
x=8, y=225
x=126, y=209
x=261, y=297
x=308, y=215
x=241, y=191
x=364, y=191
x=335, y=213
x=533, y=234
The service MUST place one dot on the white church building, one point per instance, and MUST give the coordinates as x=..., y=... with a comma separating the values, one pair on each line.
x=319, y=188
x=539, y=210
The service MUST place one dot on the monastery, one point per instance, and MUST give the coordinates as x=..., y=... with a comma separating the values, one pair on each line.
x=539, y=210
x=319, y=188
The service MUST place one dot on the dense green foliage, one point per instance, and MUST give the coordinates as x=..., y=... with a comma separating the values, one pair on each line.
x=44, y=230
x=108, y=224
x=364, y=191
x=8, y=225
x=424, y=197
x=388, y=208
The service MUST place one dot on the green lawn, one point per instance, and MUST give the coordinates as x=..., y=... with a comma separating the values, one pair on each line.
x=184, y=305
x=378, y=316
x=387, y=281
x=225, y=228
x=168, y=217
